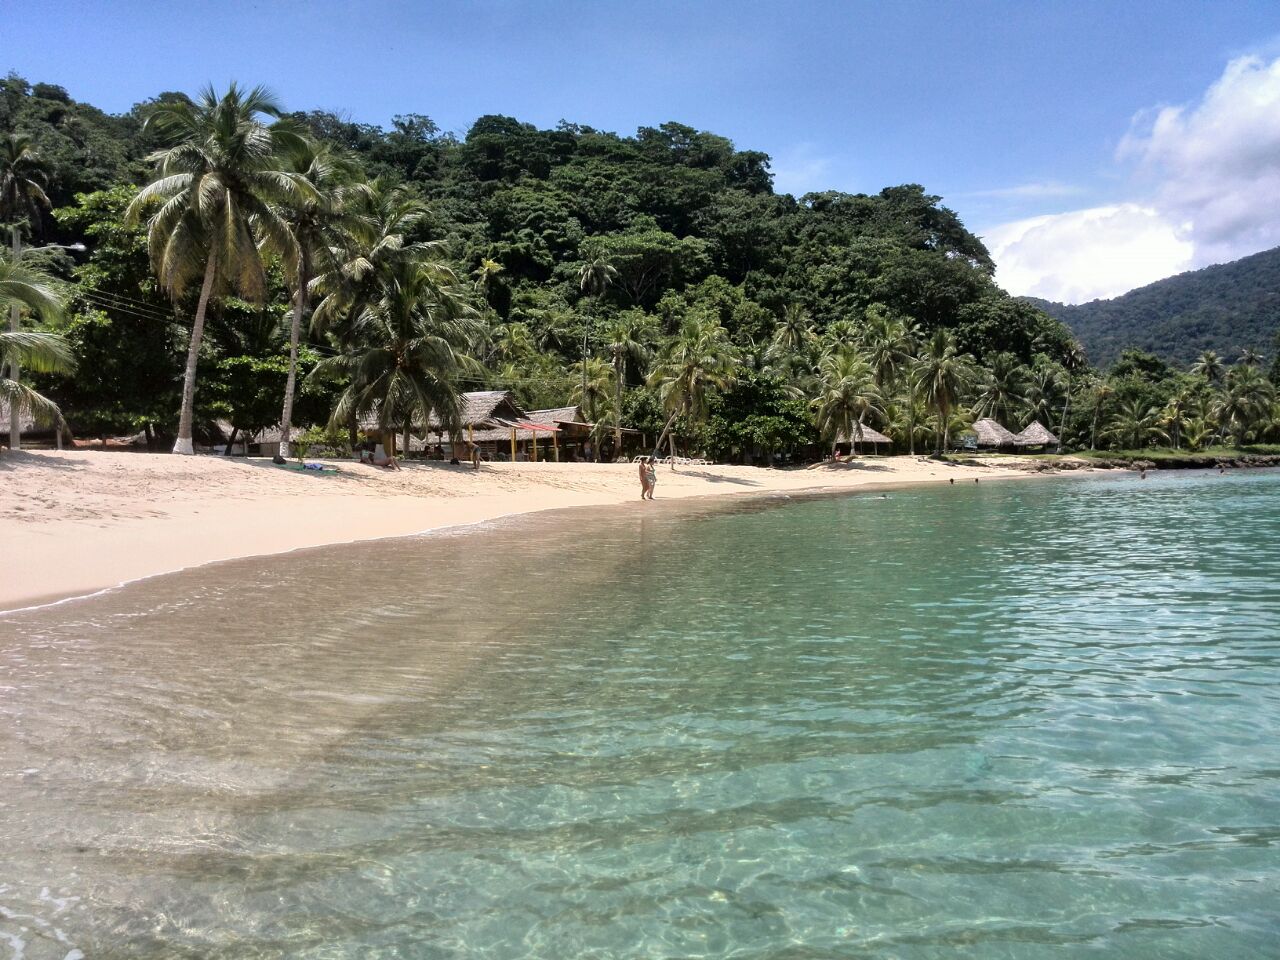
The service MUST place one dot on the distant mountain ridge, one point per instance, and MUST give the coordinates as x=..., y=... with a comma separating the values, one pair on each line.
x=1226, y=308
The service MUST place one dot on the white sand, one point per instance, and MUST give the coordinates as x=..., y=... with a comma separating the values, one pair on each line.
x=75, y=522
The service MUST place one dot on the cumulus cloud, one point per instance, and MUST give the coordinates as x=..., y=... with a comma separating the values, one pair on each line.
x=1206, y=181
x=1088, y=254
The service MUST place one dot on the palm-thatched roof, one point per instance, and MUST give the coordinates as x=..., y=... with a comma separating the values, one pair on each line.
x=869, y=435
x=1035, y=435
x=558, y=415
x=26, y=423
x=992, y=434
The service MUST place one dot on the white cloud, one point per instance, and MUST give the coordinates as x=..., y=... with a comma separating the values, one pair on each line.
x=1088, y=254
x=1206, y=181
x=800, y=170
x=1029, y=191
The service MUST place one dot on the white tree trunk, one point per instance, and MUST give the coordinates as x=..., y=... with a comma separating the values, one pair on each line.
x=183, y=444
x=15, y=371
x=295, y=333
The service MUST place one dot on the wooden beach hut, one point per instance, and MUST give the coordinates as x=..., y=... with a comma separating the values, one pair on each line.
x=1035, y=435
x=992, y=436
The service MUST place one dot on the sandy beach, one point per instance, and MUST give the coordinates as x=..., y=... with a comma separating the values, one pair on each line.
x=76, y=522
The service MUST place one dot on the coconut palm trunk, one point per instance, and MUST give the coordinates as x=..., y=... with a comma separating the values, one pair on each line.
x=295, y=334
x=15, y=421
x=1066, y=409
x=184, y=443
x=618, y=364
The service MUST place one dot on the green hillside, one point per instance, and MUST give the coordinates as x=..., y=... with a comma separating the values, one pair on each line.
x=1227, y=308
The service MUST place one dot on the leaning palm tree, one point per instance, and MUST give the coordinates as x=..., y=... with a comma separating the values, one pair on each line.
x=21, y=197
x=848, y=397
x=318, y=220
x=26, y=288
x=944, y=375
x=211, y=201
x=699, y=359
x=407, y=348
x=1099, y=395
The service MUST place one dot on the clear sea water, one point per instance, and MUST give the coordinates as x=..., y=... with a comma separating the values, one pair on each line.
x=1030, y=719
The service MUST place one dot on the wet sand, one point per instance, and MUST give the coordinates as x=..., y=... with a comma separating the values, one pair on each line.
x=84, y=521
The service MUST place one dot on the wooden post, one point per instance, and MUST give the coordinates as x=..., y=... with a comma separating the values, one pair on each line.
x=555, y=445
x=535, y=446
x=513, y=444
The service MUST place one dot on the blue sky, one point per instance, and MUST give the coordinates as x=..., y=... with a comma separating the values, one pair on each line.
x=1009, y=110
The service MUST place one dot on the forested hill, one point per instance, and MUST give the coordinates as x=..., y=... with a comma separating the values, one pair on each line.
x=687, y=223
x=1228, y=308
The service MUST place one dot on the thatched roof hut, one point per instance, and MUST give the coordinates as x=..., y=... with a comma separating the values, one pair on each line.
x=1035, y=435
x=991, y=434
x=869, y=435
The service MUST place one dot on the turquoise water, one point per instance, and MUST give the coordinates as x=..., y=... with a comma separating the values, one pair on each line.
x=1037, y=719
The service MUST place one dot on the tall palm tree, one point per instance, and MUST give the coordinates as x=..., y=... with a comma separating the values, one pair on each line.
x=597, y=399
x=211, y=201
x=1176, y=413
x=24, y=287
x=1250, y=357
x=352, y=276
x=21, y=197
x=944, y=375
x=1101, y=392
x=889, y=343
x=793, y=341
x=1209, y=365
x=700, y=358
x=627, y=340
x=318, y=219
x=407, y=347
x=594, y=278
x=849, y=396
x=1003, y=388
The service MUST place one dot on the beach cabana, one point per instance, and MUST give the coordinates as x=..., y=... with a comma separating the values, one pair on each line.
x=867, y=435
x=992, y=436
x=1035, y=435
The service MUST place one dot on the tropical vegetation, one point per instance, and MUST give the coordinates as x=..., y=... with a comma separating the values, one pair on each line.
x=252, y=267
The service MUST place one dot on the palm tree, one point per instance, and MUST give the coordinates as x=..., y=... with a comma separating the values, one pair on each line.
x=1102, y=392
x=1209, y=365
x=1003, y=388
x=406, y=347
x=1245, y=401
x=1175, y=414
x=318, y=219
x=42, y=352
x=596, y=400
x=889, y=343
x=627, y=339
x=1250, y=357
x=1134, y=427
x=353, y=272
x=210, y=202
x=849, y=395
x=21, y=197
x=594, y=278
x=698, y=359
x=793, y=340
x=944, y=376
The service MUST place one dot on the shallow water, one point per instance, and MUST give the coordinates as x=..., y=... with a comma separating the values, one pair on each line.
x=1027, y=719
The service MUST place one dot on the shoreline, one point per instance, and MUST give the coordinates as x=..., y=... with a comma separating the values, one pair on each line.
x=88, y=522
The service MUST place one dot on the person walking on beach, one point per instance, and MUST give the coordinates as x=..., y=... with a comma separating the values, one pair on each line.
x=644, y=479
x=651, y=472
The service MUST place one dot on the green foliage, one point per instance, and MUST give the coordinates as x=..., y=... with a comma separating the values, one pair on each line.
x=757, y=417
x=1226, y=308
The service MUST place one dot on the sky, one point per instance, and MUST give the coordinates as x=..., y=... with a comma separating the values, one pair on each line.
x=1095, y=146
